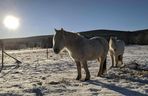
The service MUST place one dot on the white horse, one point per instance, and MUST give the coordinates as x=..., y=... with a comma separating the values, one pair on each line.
x=116, y=49
x=82, y=49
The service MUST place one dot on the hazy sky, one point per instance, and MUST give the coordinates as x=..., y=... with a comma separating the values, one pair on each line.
x=40, y=17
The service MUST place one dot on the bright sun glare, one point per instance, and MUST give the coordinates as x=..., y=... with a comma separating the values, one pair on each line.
x=11, y=22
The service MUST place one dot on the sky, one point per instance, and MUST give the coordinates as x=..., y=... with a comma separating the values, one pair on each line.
x=40, y=17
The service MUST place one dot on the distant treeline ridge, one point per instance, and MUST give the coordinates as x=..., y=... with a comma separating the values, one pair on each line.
x=130, y=37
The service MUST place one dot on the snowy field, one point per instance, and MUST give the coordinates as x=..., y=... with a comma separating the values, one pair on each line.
x=55, y=76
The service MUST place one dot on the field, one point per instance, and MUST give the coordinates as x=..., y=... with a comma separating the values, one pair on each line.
x=55, y=76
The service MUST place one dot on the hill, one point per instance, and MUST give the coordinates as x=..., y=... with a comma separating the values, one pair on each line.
x=130, y=37
x=28, y=42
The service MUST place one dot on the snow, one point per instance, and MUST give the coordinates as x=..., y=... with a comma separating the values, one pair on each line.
x=55, y=76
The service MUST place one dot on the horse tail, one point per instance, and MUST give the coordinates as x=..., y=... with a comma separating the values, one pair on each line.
x=104, y=66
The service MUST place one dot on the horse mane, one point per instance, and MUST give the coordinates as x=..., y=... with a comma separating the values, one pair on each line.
x=72, y=35
x=114, y=41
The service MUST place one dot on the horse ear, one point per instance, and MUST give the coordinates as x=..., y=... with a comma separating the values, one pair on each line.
x=55, y=29
x=62, y=29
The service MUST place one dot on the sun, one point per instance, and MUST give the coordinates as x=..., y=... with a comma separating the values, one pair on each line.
x=11, y=22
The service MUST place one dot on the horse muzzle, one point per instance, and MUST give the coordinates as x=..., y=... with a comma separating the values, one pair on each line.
x=56, y=51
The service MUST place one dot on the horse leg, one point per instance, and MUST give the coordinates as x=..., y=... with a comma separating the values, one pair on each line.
x=121, y=59
x=112, y=59
x=116, y=60
x=78, y=70
x=86, y=70
x=102, y=66
x=100, y=69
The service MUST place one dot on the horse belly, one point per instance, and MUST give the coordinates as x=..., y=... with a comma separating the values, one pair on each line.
x=77, y=56
x=120, y=48
x=84, y=55
x=93, y=53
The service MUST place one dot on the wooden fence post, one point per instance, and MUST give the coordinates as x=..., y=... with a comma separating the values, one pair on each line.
x=2, y=50
x=47, y=52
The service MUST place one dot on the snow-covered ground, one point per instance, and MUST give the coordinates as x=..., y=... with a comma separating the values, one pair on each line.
x=55, y=76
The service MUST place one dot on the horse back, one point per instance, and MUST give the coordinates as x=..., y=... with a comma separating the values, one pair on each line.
x=100, y=42
x=120, y=45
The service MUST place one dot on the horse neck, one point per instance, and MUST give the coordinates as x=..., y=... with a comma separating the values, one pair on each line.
x=71, y=39
x=113, y=43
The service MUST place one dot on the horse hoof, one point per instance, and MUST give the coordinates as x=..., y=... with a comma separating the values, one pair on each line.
x=78, y=78
x=116, y=66
x=111, y=67
x=86, y=79
x=99, y=75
